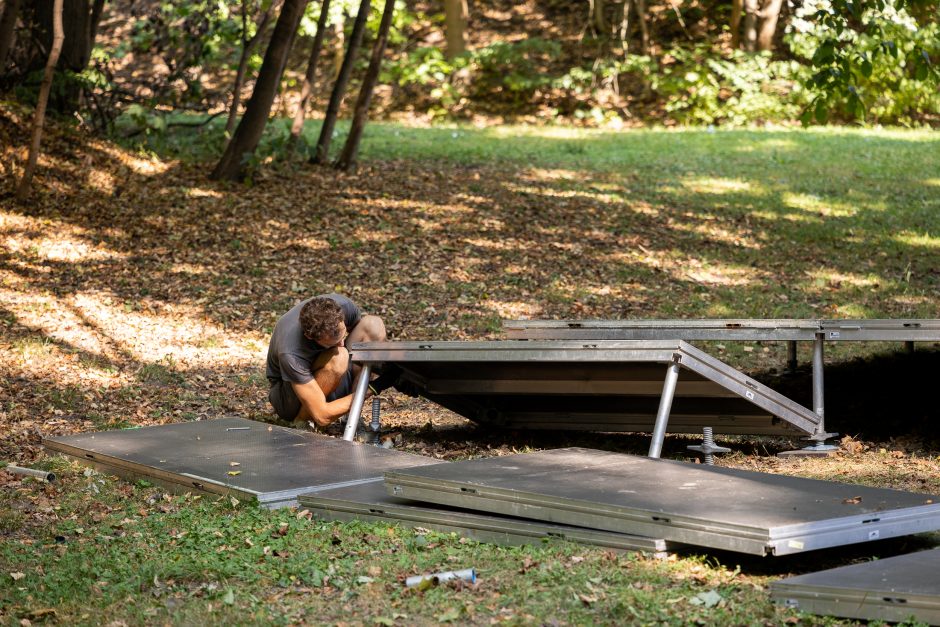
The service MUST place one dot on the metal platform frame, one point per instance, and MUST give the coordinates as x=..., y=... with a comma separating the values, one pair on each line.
x=789, y=330
x=894, y=589
x=708, y=506
x=250, y=460
x=371, y=502
x=674, y=355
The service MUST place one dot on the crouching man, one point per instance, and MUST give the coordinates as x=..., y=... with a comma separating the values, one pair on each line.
x=308, y=366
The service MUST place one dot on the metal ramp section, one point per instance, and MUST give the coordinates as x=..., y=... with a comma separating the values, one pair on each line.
x=251, y=460
x=602, y=385
x=707, y=506
x=896, y=589
x=785, y=329
x=371, y=502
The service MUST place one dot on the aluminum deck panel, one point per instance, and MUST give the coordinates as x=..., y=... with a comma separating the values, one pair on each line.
x=894, y=589
x=274, y=464
x=371, y=502
x=922, y=330
x=611, y=385
x=707, y=506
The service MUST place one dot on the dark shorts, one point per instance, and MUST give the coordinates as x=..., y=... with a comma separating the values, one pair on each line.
x=287, y=405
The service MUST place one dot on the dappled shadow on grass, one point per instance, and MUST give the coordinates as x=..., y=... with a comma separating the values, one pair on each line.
x=125, y=262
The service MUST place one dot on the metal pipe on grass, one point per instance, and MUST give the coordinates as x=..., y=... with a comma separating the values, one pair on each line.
x=468, y=574
x=42, y=475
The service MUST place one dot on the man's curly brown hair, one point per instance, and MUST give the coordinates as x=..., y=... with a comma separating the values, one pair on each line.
x=320, y=317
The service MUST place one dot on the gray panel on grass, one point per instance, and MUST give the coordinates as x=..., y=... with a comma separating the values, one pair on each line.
x=722, y=508
x=248, y=459
x=372, y=502
x=893, y=589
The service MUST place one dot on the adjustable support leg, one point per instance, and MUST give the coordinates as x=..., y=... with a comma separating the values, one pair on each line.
x=819, y=436
x=665, y=406
x=819, y=399
x=791, y=356
x=358, y=399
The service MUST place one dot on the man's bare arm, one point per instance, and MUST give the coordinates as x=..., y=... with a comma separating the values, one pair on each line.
x=314, y=405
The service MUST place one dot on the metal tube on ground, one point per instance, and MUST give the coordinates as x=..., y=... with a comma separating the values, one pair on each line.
x=358, y=399
x=665, y=406
x=468, y=574
x=43, y=475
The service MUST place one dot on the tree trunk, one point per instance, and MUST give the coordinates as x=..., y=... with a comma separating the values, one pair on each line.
x=625, y=26
x=248, y=45
x=8, y=15
x=348, y=157
x=248, y=133
x=322, y=153
x=307, y=90
x=736, y=7
x=455, y=27
x=751, y=11
x=597, y=16
x=770, y=13
x=339, y=47
x=643, y=21
x=58, y=37
x=80, y=20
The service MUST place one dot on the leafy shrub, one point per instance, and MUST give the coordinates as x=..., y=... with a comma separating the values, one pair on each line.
x=887, y=80
x=703, y=87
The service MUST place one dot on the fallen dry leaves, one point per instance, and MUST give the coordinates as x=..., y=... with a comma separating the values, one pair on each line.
x=135, y=292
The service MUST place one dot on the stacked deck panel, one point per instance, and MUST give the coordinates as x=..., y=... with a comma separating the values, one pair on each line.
x=707, y=506
x=244, y=458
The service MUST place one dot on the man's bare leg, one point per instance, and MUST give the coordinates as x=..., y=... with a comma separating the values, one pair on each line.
x=328, y=376
x=369, y=329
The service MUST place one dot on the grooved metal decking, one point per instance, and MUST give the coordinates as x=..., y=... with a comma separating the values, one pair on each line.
x=894, y=589
x=371, y=502
x=597, y=385
x=248, y=459
x=707, y=506
x=901, y=330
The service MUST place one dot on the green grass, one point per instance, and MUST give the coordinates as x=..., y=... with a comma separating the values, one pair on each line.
x=111, y=551
x=750, y=223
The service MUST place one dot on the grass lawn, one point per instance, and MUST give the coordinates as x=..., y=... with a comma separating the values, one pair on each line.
x=133, y=291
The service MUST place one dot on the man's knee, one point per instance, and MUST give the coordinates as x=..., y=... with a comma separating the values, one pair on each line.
x=372, y=329
x=338, y=362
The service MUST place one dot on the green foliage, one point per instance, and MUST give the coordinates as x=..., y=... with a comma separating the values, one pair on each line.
x=702, y=87
x=513, y=70
x=503, y=72
x=871, y=60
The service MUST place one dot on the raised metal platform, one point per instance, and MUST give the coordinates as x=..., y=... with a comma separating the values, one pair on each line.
x=902, y=588
x=901, y=330
x=371, y=502
x=707, y=506
x=247, y=459
x=601, y=385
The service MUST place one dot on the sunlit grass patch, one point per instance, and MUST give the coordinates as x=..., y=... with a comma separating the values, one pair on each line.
x=921, y=240
x=34, y=347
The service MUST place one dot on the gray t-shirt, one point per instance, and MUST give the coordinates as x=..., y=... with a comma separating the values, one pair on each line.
x=290, y=354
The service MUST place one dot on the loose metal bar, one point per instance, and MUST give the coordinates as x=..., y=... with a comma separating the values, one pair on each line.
x=665, y=405
x=358, y=399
